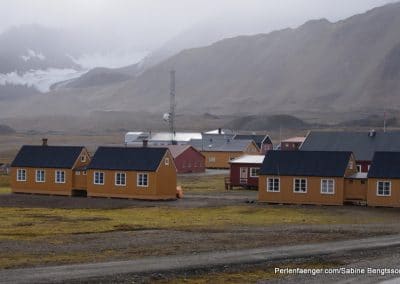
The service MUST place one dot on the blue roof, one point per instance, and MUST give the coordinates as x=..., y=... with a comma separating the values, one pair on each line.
x=305, y=163
x=385, y=165
x=127, y=158
x=360, y=143
x=47, y=156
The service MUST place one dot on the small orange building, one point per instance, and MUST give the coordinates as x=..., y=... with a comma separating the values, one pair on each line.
x=130, y=172
x=305, y=177
x=49, y=170
x=219, y=153
x=384, y=180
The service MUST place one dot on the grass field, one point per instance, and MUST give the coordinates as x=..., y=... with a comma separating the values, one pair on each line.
x=27, y=223
x=202, y=184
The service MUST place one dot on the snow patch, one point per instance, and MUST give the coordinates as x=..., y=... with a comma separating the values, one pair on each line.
x=32, y=54
x=40, y=79
x=110, y=60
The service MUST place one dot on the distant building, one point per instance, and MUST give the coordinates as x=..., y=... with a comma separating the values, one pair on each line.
x=263, y=142
x=49, y=170
x=292, y=144
x=219, y=151
x=160, y=138
x=132, y=172
x=362, y=144
x=244, y=171
x=187, y=159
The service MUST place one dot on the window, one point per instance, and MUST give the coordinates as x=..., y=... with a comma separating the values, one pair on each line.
x=300, y=185
x=21, y=175
x=98, y=178
x=273, y=184
x=77, y=173
x=142, y=180
x=60, y=176
x=84, y=173
x=327, y=186
x=211, y=159
x=167, y=161
x=40, y=176
x=358, y=168
x=351, y=165
x=383, y=188
x=83, y=158
x=254, y=172
x=120, y=179
x=369, y=167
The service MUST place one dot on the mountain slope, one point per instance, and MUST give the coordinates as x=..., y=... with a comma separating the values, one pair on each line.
x=348, y=65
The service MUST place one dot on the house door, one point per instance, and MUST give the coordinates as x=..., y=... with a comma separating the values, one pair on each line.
x=243, y=175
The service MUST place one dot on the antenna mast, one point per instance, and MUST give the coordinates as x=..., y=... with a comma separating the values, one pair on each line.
x=172, y=106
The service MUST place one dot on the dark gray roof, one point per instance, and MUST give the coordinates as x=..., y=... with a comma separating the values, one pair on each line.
x=220, y=145
x=385, y=165
x=127, y=158
x=306, y=163
x=360, y=143
x=47, y=156
x=258, y=139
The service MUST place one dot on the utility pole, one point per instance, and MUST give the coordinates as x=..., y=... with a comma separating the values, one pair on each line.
x=172, y=107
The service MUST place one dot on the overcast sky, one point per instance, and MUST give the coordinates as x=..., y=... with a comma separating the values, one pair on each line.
x=152, y=22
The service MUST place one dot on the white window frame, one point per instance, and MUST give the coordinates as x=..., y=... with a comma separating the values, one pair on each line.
x=211, y=159
x=96, y=181
x=300, y=181
x=390, y=188
x=327, y=180
x=351, y=165
x=273, y=189
x=83, y=158
x=359, y=168
x=42, y=176
x=84, y=173
x=57, y=174
x=20, y=175
x=140, y=180
x=77, y=173
x=256, y=172
x=166, y=161
x=118, y=179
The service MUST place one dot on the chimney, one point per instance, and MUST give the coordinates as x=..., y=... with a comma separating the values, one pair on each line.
x=219, y=131
x=145, y=143
x=44, y=141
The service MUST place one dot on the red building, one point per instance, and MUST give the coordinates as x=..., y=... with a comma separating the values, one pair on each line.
x=292, y=144
x=244, y=171
x=187, y=159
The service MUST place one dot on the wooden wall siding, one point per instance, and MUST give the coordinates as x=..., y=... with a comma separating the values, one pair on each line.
x=235, y=179
x=190, y=161
x=355, y=189
x=313, y=195
x=162, y=183
x=79, y=181
x=351, y=170
x=47, y=187
x=222, y=159
x=387, y=201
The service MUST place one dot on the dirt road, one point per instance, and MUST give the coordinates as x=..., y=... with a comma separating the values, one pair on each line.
x=64, y=273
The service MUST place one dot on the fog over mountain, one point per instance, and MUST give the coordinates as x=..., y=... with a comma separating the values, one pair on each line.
x=322, y=66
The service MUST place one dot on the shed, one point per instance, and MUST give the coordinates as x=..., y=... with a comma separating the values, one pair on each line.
x=187, y=159
x=244, y=171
